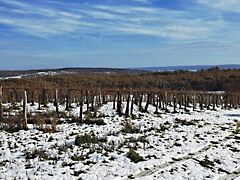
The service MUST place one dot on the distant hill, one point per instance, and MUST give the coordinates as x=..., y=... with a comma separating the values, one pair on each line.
x=190, y=68
x=78, y=70
x=42, y=72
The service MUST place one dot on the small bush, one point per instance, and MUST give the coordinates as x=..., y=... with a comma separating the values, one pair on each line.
x=89, y=115
x=78, y=158
x=14, y=106
x=237, y=130
x=162, y=128
x=133, y=116
x=129, y=128
x=103, y=115
x=77, y=173
x=143, y=139
x=85, y=139
x=206, y=163
x=186, y=123
x=41, y=154
x=45, y=124
x=50, y=114
x=12, y=124
x=238, y=124
x=99, y=122
x=50, y=139
x=54, y=124
x=134, y=156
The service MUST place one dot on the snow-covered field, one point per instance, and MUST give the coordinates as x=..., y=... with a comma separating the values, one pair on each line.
x=195, y=145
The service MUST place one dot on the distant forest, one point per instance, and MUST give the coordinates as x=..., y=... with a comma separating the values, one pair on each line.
x=205, y=80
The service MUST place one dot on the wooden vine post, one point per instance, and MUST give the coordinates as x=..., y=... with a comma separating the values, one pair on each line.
x=25, y=109
x=174, y=104
x=33, y=94
x=92, y=102
x=128, y=105
x=67, y=102
x=166, y=101
x=132, y=104
x=56, y=101
x=87, y=100
x=1, y=106
x=156, y=105
x=119, y=104
x=114, y=102
x=44, y=98
x=185, y=102
x=194, y=101
x=201, y=102
x=39, y=102
x=81, y=107
x=140, y=103
x=148, y=102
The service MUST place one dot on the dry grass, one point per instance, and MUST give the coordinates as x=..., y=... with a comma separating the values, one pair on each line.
x=12, y=124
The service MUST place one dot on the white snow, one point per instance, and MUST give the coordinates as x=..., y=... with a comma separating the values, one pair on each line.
x=173, y=149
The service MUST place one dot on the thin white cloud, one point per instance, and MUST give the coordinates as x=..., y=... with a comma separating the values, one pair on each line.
x=112, y=20
x=223, y=5
x=126, y=9
x=15, y=3
x=43, y=22
x=70, y=15
x=142, y=1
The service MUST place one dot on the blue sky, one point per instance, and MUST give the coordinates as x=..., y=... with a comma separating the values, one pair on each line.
x=118, y=33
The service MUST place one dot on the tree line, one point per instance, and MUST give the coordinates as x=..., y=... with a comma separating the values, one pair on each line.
x=206, y=80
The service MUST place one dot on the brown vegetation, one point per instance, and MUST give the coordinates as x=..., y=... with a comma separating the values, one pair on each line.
x=180, y=90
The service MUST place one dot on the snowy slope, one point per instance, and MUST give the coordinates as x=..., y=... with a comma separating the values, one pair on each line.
x=196, y=145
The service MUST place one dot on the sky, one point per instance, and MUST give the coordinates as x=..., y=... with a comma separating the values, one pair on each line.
x=118, y=33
